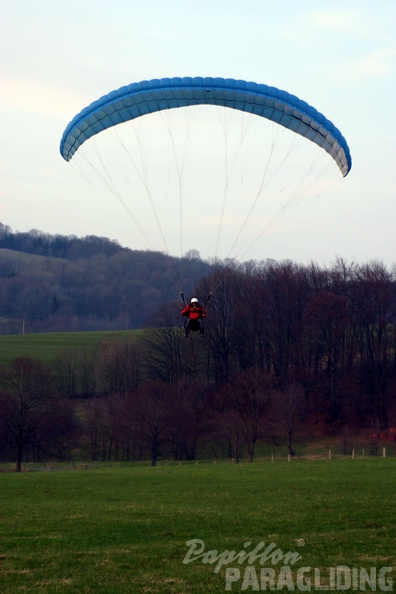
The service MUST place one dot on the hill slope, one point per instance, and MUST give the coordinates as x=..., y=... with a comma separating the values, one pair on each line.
x=79, y=288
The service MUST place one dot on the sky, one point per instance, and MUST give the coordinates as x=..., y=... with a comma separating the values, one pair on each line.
x=340, y=57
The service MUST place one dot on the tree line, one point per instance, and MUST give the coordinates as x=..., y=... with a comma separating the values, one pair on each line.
x=289, y=350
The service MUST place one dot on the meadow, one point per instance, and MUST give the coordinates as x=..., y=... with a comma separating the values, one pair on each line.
x=124, y=528
x=47, y=346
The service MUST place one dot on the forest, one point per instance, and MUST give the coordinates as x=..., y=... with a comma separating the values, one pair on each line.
x=290, y=351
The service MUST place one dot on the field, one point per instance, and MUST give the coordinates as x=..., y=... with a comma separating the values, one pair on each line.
x=123, y=529
x=47, y=347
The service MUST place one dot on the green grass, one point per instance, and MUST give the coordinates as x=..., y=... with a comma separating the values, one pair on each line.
x=47, y=347
x=124, y=530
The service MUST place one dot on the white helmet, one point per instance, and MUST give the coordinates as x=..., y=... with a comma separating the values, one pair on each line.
x=194, y=300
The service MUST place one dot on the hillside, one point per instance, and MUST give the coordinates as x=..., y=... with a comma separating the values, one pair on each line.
x=55, y=284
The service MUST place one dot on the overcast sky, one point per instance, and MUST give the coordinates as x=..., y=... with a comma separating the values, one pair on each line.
x=340, y=57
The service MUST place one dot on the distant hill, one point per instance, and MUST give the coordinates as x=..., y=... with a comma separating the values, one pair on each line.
x=58, y=283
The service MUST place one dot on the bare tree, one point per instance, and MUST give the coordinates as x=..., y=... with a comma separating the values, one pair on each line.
x=326, y=330
x=66, y=373
x=288, y=408
x=25, y=400
x=74, y=373
x=163, y=346
x=250, y=397
x=374, y=292
x=240, y=410
x=152, y=416
x=118, y=366
x=187, y=411
x=222, y=323
x=87, y=374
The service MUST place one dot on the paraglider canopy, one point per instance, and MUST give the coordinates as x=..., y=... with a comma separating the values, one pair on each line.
x=138, y=99
x=207, y=163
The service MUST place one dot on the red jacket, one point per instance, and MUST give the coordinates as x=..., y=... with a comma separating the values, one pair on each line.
x=193, y=313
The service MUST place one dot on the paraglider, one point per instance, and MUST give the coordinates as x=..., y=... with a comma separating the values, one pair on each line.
x=159, y=192
x=195, y=314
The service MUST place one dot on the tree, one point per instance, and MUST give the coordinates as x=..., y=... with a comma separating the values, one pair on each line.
x=103, y=417
x=65, y=369
x=222, y=323
x=250, y=398
x=187, y=411
x=164, y=349
x=288, y=408
x=192, y=255
x=374, y=293
x=286, y=294
x=118, y=366
x=25, y=401
x=327, y=326
x=151, y=411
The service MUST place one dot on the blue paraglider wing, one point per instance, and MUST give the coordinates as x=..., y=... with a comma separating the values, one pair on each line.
x=138, y=99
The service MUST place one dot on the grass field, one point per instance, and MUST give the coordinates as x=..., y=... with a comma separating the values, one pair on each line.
x=116, y=530
x=47, y=347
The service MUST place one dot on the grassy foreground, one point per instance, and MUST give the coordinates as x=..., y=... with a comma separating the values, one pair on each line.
x=124, y=530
